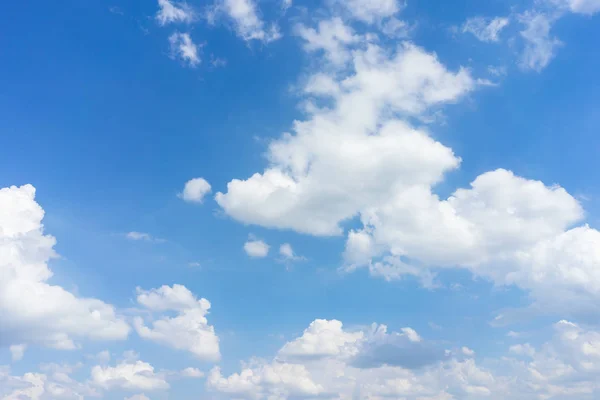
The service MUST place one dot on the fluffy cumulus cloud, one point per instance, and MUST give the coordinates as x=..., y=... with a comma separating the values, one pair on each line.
x=321, y=339
x=485, y=29
x=188, y=330
x=328, y=361
x=184, y=48
x=32, y=310
x=171, y=12
x=136, y=375
x=330, y=37
x=273, y=381
x=256, y=248
x=359, y=155
x=195, y=190
x=52, y=382
x=314, y=182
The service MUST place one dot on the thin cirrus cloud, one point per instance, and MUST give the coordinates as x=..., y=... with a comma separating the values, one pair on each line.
x=173, y=12
x=183, y=48
x=486, y=29
x=245, y=19
x=144, y=237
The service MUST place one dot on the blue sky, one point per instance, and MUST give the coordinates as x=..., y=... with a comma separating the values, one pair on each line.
x=296, y=200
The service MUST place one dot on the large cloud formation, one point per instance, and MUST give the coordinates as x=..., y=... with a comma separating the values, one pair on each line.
x=31, y=309
x=330, y=362
x=359, y=154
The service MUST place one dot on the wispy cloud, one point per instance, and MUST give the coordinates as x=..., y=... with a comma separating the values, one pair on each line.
x=142, y=236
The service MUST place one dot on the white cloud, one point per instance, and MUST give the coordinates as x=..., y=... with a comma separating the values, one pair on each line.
x=277, y=381
x=286, y=5
x=314, y=181
x=29, y=386
x=580, y=6
x=565, y=367
x=142, y=236
x=286, y=250
x=287, y=253
x=188, y=330
x=256, y=248
x=32, y=310
x=359, y=156
x=396, y=28
x=485, y=29
x=138, y=397
x=467, y=351
x=170, y=12
x=497, y=71
x=192, y=373
x=522, y=350
x=371, y=10
x=332, y=37
x=540, y=46
x=195, y=190
x=321, y=339
x=17, y=351
x=138, y=375
x=103, y=357
x=54, y=383
x=183, y=47
x=246, y=21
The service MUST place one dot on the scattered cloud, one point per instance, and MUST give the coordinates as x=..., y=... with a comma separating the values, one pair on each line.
x=192, y=373
x=485, y=29
x=217, y=62
x=370, y=11
x=247, y=23
x=116, y=10
x=195, y=190
x=141, y=236
x=183, y=47
x=286, y=252
x=188, y=330
x=540, y=45
x=286, y=5
x=331, y=36
x=138, y=375
x=256, y=248
x=17, y=351
x=172, y=12
x=497, y=71
x=588, y=7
